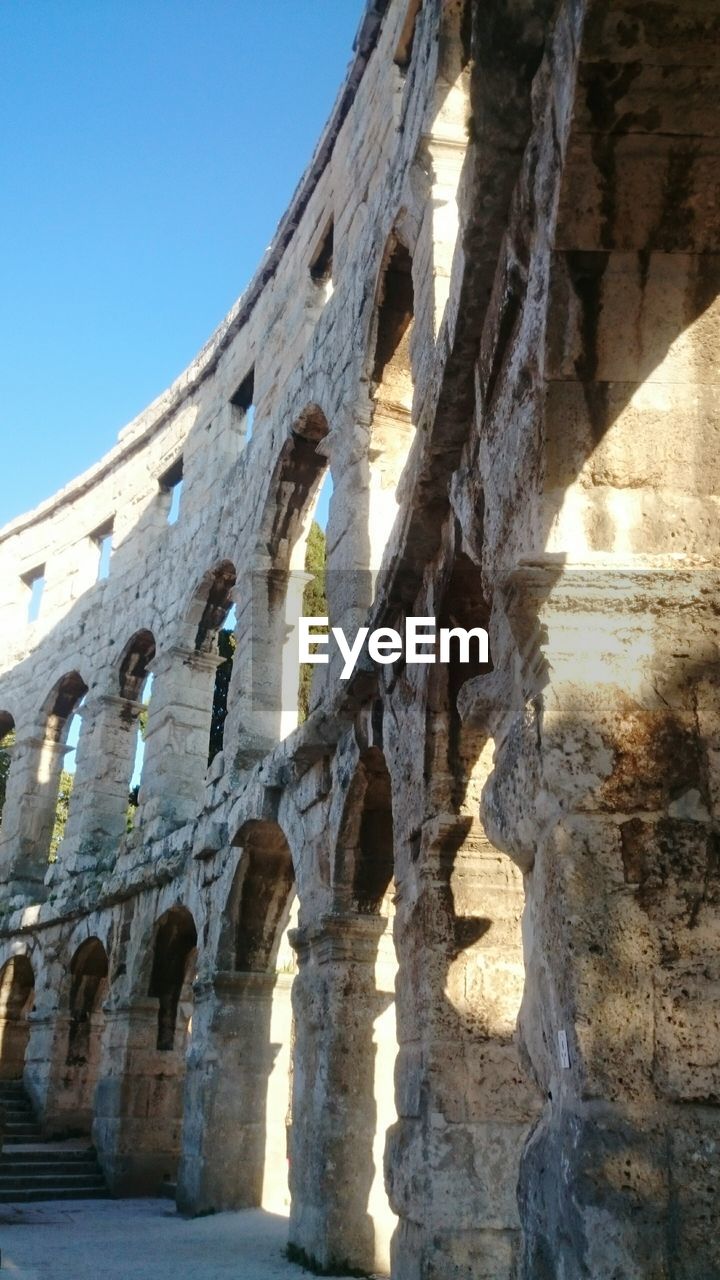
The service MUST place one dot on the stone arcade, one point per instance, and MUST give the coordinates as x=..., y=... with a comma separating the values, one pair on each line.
x=370, y=940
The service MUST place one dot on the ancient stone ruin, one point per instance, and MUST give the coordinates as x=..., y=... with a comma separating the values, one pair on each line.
x=429, y=958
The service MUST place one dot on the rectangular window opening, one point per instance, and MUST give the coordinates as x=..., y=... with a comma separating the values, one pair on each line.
x=171, y=482
x=35, y=583
x=321, y=265
x=103, y=538
x=243, y=402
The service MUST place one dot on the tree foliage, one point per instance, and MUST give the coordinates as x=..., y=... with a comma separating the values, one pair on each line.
x=5, y=758
x=61, y=812
x=226, y=650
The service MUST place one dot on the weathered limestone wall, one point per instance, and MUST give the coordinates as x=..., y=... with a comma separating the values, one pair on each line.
x=325, y=938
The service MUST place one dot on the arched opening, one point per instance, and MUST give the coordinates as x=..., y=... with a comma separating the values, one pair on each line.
x=103, y=809
x=290, y=564
x=391, y=393
x=17, y=992
x=7, y=742
x=172, y=976
x=56, y=765
x=216, y=635
x=135, y=689
x=372, y=854
x=139, y=1101
x=80, y=1026
x=238, y=1157
x=88, y=974
x=186, y=721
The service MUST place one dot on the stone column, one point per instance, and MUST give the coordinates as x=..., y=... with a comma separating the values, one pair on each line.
x=606, y=789
x=29, y=815
x=263, y=695
x=464, y=1103
x=178, y=736
x=105, y=755
x=334, y=1110
x=237, y=1095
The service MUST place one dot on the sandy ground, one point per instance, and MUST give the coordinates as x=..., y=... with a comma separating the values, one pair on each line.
x=116, y=1239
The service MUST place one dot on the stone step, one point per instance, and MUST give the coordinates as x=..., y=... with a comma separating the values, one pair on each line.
x=34, y=1169
x=53, y=1193
x=46, y=1155
x=54, y=1178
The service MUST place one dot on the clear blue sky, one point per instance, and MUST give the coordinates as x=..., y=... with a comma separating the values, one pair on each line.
x=148, y=150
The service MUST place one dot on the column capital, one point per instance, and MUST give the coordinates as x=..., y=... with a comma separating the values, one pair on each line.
x=113, y=701
x=178, y=653
x=339, y=937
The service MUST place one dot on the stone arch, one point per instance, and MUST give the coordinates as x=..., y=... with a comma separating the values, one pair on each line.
x=103, y=810
x=173, y=957
x=47, y=793
x=186, y=720
x=267, y=678
x=88, y=987
x=135, y=663
x=364, y=864
x=261, y=896
x=212, y=605
x=17, y=992
x=77, y=1042
x=389, y=374
x=140, y=1116
x=238, y=1087
x=441, y=157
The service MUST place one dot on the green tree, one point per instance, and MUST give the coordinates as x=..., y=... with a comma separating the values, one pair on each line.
x=61, y=812
x=314, y=606
x=226, y=650
x=5, y=758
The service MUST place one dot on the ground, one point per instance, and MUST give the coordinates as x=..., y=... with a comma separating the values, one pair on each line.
x=122, y=1238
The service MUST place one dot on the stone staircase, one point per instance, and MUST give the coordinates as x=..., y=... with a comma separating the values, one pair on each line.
x=33, y=1169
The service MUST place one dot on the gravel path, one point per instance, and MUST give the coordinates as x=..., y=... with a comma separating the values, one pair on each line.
x=119, y=1239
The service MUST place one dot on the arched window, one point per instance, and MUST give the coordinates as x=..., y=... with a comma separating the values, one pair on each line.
x=17, y=990
x=291, y=544
x=88, y=984
x=56, y=769
x=216, y=635
x=173, y=957
x=365, y=857
x=261, y=896
x=135, y=682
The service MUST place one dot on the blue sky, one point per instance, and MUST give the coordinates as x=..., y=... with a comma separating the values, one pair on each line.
x=148, y=150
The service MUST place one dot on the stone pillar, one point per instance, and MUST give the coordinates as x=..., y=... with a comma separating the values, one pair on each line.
x=237, y=1095
x=138, y=1111
x=29, y=815
x=606, y=788
x=178, y=736
x=106, y=750
x=263, y=695
x=334, y=1111
x=464, y=1103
